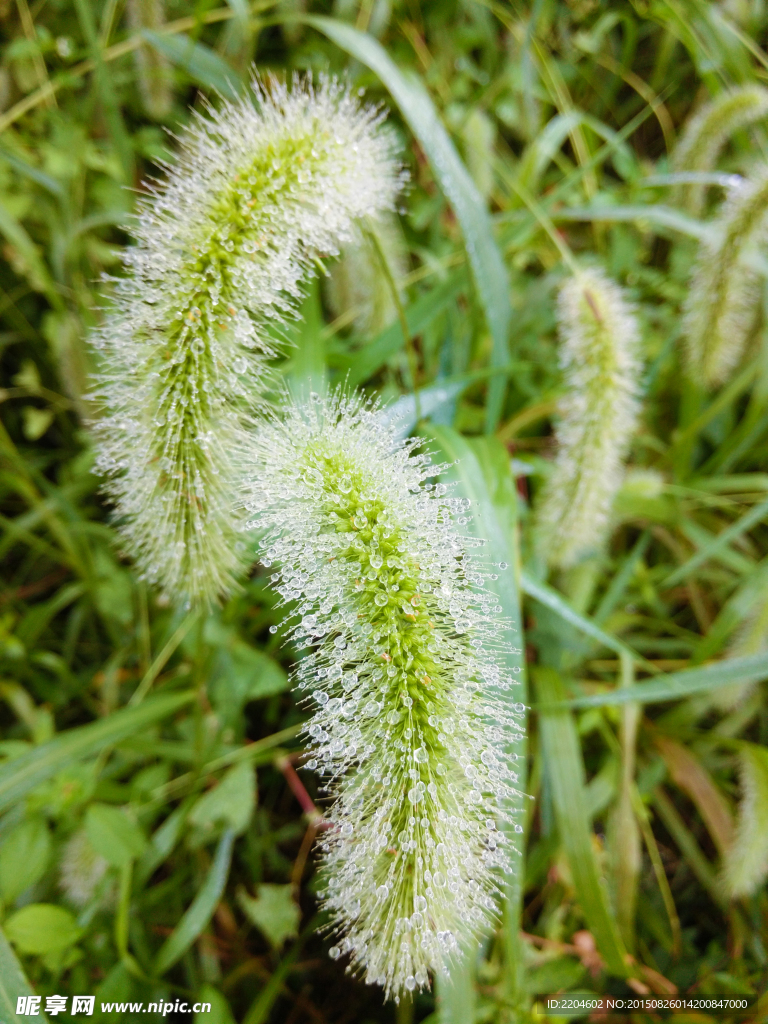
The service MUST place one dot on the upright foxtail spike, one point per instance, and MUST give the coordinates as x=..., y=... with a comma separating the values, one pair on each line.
x=746, y=862
x=599, y=342
x=413, y=716
x=722, y=298
x=708, y=131
x=261, y=188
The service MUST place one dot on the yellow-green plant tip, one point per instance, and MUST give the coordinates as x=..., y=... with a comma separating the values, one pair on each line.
x=599, y=342
x=722, y=299
x=413, y=715
x=153, y=69
x=746, y=863
x=708, y=131
x=261, y=188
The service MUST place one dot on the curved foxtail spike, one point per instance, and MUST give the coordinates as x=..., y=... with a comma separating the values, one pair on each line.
x=723, y=295
x=262, y=187
x=708, y=131
x=599, y=342
x=413, y=718
x=746, y=862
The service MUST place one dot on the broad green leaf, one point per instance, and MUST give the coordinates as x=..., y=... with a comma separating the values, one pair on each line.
x=13, y=983
x=750, y=669
x=239, y=673
x=274, y=912
x=746, y=861
x=24, y=857
x=482, y=474
x=219, y=1011
x=200, y=911
x=565, y=770
x=42, y=928
x=230, y=803
x=201, y=63
x=113, y=835
x=488, y=270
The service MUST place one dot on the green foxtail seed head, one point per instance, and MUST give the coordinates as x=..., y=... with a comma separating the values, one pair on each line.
x=746, y=862
x=262, y=187
x=723, y=294
x=153, y=69
x=599, y=341
x=413, y=718
x=356, y=282
x=81, y=870
x=707, y=132
x=750, y=604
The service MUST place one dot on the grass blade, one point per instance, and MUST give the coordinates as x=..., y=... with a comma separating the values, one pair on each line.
x=21, y=775
x=488, y=270
x=202, y=64
x=565, y=768
x=200, y=911
x=752, y=518
x=13, y=983
x=549, y=597
x=362, y=364
x=677, y=685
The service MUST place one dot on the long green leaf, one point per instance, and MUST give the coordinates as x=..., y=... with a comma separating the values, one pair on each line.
x=731, y=671
x=21, y=775
x=719, y=543
x=549, y=597
x=200, y=911
x=13, y=984
x=482, y=474
x=202, y=64
x=565, y=769
x=488, y=270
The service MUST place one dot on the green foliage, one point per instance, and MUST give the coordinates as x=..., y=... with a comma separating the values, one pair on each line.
x=132, y=735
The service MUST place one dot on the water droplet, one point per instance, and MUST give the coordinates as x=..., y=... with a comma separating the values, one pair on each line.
x=420, y=903
x=334, y=952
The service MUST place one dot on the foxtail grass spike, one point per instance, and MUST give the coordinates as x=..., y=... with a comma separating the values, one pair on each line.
x=746, y=863
x=708, y=131
x=153, y=70
x=599, y=341
x=751, y=637
x=723, y=295
x=262, y=187
x=81, y=870
x=357, y=283
x=413, y=716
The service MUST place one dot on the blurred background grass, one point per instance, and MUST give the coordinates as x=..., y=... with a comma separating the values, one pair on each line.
x=155, y=840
